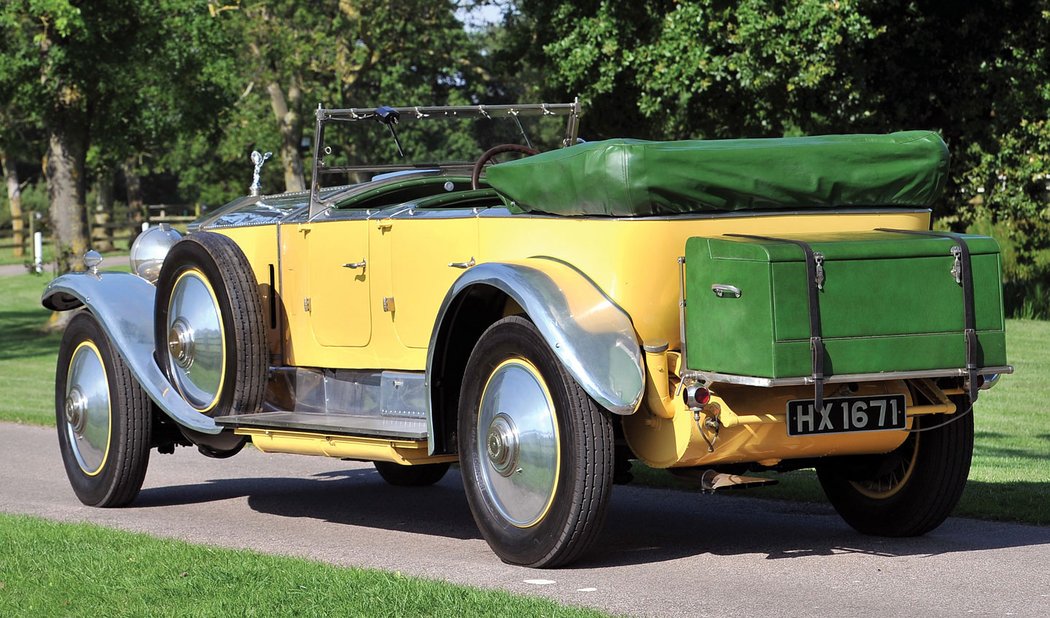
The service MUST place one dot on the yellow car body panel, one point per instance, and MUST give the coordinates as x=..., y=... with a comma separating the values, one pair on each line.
x=381, y=315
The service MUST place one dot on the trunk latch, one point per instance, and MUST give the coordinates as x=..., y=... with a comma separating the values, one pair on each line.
x=957, y=266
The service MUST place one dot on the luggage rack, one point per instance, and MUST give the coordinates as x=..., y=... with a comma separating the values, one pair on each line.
x=712, y=377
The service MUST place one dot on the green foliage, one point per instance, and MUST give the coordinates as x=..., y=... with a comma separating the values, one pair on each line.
x=977, y=72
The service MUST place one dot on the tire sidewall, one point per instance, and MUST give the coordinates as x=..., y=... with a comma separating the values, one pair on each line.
x=516, y=340
x=96, y=489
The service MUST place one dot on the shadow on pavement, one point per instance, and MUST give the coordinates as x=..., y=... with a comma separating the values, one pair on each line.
x=643, y=525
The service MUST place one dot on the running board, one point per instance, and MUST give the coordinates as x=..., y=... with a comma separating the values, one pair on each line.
x=399, y=428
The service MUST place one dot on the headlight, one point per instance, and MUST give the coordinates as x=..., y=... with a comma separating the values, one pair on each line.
x=149, y=249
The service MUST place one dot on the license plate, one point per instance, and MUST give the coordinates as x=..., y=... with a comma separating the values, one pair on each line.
x=845, y=415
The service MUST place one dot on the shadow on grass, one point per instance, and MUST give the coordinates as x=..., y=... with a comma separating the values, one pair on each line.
x=644, y=525
x=24, y=336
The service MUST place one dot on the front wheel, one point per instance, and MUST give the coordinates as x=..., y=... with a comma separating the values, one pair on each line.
x=104, y=417
x=536, y=451
x=911, y=490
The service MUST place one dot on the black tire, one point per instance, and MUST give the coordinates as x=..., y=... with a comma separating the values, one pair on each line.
x=419, y=475
x=913, y=489
x=103, y=472
x=216, y=262
x=571, y=506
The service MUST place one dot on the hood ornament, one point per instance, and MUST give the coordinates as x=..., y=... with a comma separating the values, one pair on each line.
x=258, y=159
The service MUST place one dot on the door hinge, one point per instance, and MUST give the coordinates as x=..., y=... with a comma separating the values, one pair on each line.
x=388, y=304
x=306, y=304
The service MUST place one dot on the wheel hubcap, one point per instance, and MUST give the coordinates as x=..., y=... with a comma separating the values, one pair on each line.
x=87, y=408
x=76, y=410
x=180, y=342
x=518, y=434
x=196, y=348
x=503, y=445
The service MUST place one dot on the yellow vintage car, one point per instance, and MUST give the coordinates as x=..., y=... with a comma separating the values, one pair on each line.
x=711, y=307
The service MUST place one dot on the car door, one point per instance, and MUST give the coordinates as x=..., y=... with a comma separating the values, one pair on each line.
x=339, y=278
x=429, y=249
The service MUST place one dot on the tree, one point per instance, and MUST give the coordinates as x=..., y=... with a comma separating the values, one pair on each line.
x=343, y=53
x=976, y=72
x=122, y=74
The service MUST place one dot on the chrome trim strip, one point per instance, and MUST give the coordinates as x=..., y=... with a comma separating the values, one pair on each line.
x=123, y=304
x=590, y=335
x=726, y=378
x=504, y=212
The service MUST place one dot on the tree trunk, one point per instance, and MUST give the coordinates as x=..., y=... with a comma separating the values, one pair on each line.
x=64, y=170
x=290, y=124
x=136, y=208
x=14, y=198
x=101, y=232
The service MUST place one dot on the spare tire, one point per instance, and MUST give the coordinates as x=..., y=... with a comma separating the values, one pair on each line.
x=209, y=326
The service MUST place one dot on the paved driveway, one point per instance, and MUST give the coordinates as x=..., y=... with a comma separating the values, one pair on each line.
x=662, y=553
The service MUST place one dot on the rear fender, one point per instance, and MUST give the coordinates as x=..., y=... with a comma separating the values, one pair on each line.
x=123, y=305
x=592, y=336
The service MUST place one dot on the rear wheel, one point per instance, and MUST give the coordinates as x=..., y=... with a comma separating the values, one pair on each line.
x=104, y=417
x=418, y=475
x=536, y=451
x=911, y=490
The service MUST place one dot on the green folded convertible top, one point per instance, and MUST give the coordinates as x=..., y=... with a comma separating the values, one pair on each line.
x=627, y=178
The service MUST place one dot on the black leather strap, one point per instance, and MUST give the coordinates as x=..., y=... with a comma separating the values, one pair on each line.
x=969, y=319
x=816, y=338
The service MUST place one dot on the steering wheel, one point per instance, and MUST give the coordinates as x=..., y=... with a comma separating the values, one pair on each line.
x=475, y=174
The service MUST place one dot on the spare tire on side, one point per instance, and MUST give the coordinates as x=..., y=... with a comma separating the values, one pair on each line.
x=209, y=326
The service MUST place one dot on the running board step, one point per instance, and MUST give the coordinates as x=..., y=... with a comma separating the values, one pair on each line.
x=713, y=480
x=331, y=424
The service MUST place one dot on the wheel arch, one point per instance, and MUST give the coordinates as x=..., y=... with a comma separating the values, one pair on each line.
x=591, y=335
x=123, y=305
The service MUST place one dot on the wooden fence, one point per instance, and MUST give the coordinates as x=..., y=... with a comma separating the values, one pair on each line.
x=173, y=214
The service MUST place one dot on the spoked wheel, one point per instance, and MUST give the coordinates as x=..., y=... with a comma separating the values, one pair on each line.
x=210, y=333
x=419, y=475
x=913, y=489
x=536, y=451
x=475, y=175
x=104, y=417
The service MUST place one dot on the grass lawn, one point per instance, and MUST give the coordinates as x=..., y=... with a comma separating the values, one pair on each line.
x=56, y=569
x=1009, y=480
x=7, y=254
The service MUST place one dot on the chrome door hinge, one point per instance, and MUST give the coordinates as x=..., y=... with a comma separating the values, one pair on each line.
x=388, y=304
x=306, y=304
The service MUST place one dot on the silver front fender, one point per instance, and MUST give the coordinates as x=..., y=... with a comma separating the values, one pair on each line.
x=123, y=305
x=590, y=335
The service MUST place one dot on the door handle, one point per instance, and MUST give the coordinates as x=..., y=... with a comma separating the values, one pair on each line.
x=463, y=264
x=722, y=290
x=360, y=264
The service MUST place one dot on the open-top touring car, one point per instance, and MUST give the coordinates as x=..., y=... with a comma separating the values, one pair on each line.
x=712, y=307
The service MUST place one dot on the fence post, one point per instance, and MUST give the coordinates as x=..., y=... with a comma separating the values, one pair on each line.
x=38, y=252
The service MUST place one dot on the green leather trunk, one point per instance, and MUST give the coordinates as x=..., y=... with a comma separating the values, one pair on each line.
x=890, y=302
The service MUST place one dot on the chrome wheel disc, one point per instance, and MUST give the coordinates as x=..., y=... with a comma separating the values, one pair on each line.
x=87, y=408
x=518, y=443
x=196, y=351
